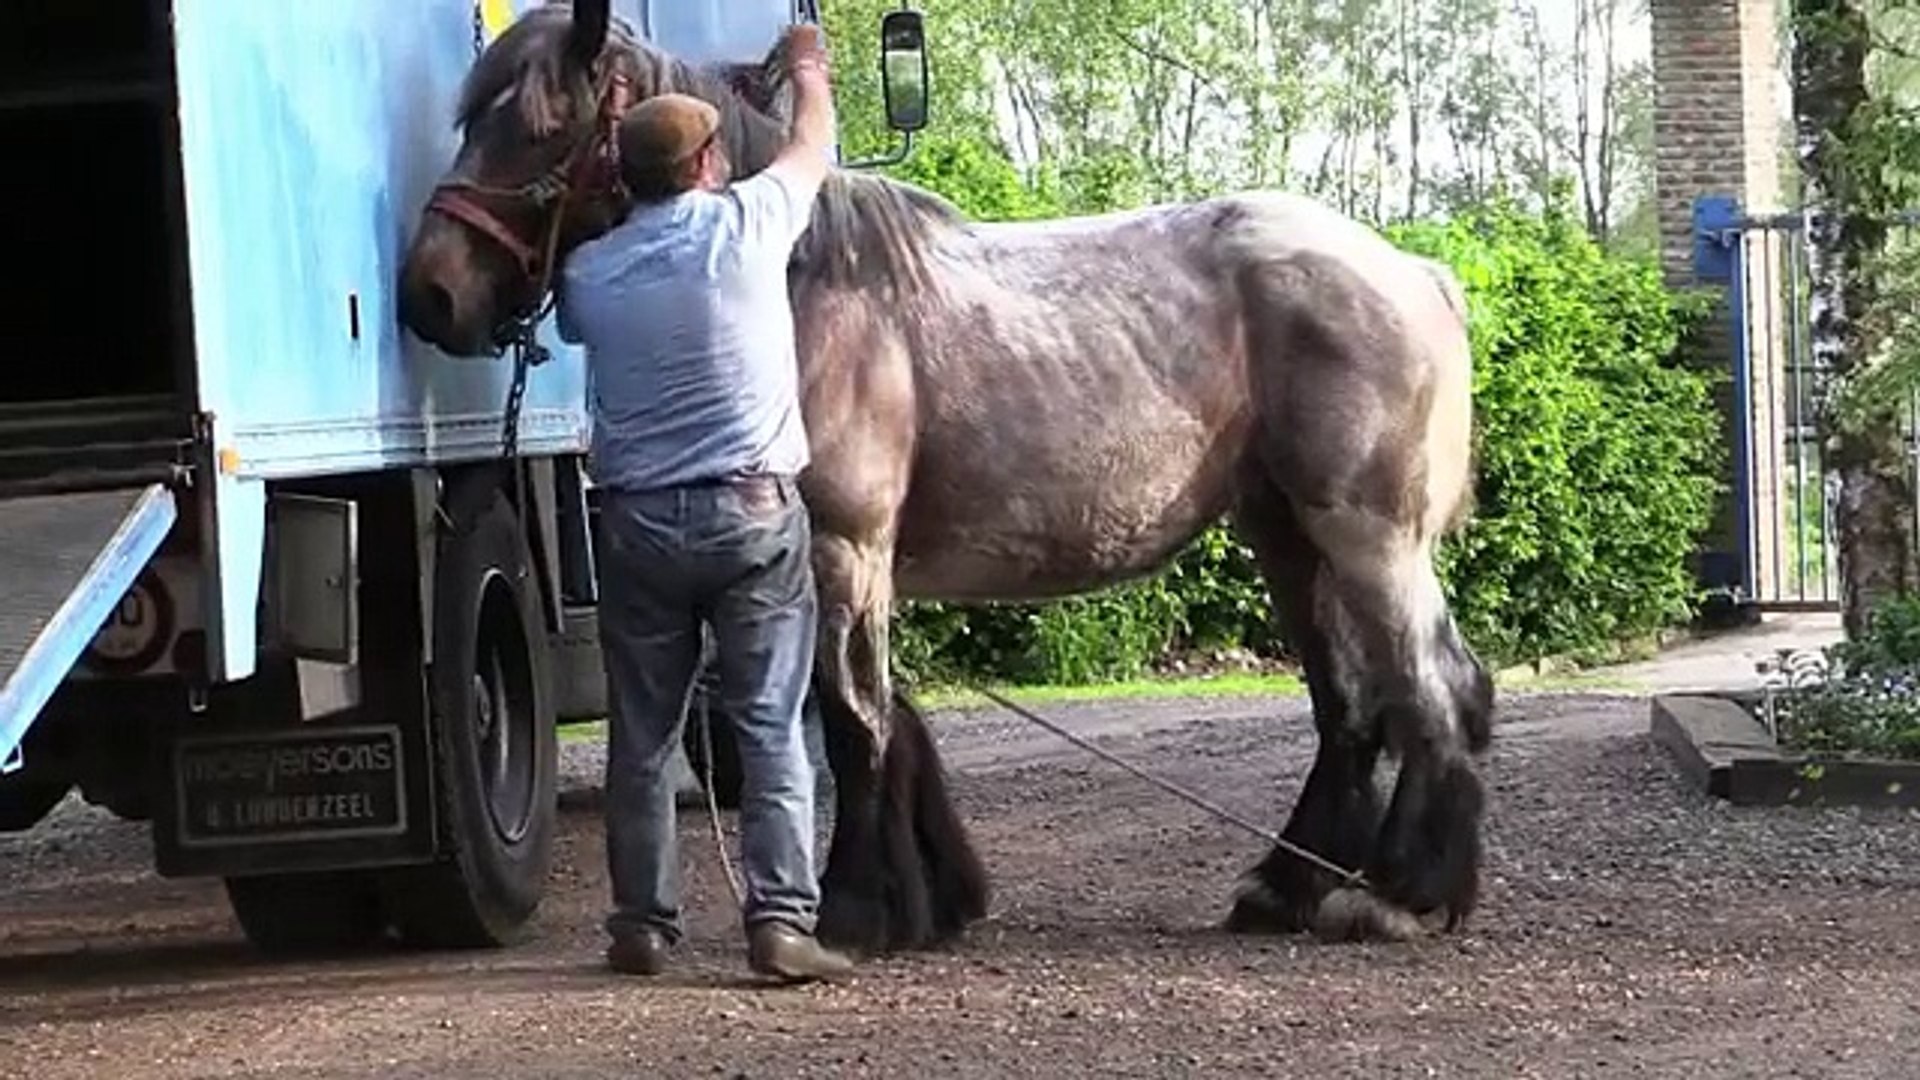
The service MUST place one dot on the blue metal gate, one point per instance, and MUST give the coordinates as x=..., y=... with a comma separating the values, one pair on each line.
x=1785, y=556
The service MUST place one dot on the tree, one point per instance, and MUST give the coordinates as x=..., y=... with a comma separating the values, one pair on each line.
x=1850, y=146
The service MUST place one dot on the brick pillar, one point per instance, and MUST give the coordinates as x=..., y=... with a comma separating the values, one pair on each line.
x=1717, y=131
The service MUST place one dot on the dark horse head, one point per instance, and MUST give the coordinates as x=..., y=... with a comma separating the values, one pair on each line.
x=536, y=172
x=535, y=175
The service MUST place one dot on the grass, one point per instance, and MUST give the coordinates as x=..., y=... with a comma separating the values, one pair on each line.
x=959, y=697
x=1562, y=683
x=1197, y=686
x=1235, y=684
x=591, y=732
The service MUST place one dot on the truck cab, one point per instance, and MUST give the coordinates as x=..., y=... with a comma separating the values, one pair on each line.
x=273, y=587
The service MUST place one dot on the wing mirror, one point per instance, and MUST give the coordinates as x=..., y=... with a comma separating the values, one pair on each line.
x=903, y=69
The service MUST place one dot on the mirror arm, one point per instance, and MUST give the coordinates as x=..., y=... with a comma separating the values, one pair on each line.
x=898, y=155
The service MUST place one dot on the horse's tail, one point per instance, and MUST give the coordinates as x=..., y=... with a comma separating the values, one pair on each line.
x=1449, y=285
x=1450, y=427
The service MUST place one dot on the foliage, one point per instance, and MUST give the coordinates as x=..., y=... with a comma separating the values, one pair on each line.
x=1862, y=696
x=1210, y=598
x=1855, y=119
x=1893, y=325
x=1389, y=110
x=1595, y=451
x=1883, y=142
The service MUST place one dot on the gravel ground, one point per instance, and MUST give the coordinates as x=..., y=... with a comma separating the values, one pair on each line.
x=1628, y=927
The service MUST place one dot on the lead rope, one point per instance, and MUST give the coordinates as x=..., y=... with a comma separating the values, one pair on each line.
x=713, y=809
x=1352, y=878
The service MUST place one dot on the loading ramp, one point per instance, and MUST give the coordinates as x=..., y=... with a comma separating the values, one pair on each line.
x=66, y=561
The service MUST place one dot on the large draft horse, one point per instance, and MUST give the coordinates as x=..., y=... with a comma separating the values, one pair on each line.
x=1031, y=410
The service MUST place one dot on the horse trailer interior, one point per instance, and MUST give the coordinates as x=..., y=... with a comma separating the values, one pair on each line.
x=97, y=319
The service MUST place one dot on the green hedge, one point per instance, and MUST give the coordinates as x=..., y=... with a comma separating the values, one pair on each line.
x=1210, y=598
x=1597, y=451
x=1596, y=456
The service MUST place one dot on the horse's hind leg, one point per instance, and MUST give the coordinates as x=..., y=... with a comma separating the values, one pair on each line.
x=1401, y=665
x=1338, y=810
x=901, y=873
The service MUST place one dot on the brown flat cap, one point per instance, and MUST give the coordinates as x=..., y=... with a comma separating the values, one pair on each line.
x=665, y=130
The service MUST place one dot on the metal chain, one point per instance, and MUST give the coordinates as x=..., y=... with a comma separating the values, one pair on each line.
x=516, y=393
x=528, y=353
x=479, y=30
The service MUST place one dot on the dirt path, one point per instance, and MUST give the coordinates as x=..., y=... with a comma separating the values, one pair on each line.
x=1628, y=928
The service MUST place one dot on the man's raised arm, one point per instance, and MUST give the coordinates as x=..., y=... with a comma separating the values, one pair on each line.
x=804, y=161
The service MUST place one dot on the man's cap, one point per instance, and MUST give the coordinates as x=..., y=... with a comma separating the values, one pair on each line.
x=665, y=130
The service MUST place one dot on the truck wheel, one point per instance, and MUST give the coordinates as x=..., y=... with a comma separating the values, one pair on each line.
x=306, y=914
x=496, y=747
x=26, y=799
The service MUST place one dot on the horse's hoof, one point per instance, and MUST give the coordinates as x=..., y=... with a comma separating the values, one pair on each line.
x=1258, y=908
x=1357, y=915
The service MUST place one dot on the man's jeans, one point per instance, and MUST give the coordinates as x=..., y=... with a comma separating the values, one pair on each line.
x=735, y=557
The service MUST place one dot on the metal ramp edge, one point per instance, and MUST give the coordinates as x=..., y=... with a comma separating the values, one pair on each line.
x=66, y=561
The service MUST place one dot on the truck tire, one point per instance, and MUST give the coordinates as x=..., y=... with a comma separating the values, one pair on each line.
x=307, y=914
x=26, y=799
x=495, y=742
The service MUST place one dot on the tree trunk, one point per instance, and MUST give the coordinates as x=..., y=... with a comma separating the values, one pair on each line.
x=1873, y=514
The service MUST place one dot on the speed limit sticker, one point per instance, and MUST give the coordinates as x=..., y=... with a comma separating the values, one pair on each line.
x=137, y=630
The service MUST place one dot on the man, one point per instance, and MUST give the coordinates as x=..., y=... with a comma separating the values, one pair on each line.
x=697, y=442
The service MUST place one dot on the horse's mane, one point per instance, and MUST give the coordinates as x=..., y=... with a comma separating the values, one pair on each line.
x=871, y=232
x=867, y=231
x=529, y=57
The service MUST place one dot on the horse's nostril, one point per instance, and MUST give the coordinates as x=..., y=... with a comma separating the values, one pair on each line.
x=436, y=308
x=427, y=308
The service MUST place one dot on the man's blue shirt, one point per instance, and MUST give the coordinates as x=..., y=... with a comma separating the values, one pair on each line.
x=688, y=330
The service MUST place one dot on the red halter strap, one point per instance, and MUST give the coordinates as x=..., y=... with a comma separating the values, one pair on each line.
x=596, y=153
x=454, y=203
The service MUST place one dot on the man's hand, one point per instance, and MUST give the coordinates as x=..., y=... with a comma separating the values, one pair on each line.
x=805, y=159
x=806, y=49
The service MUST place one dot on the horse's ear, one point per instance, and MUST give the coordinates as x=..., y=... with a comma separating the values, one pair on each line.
x=589, y=33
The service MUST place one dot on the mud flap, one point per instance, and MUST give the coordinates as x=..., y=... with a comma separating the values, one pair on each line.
x=66, y=561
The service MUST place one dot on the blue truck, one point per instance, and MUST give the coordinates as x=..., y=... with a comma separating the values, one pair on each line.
x=270, y=584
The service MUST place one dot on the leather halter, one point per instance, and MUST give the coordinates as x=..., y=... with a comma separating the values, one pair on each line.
x=593, y=159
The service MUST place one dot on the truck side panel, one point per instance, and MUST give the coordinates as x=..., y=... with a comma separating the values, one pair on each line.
x=312, y=135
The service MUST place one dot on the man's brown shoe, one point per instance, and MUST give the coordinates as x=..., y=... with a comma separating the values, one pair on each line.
x=781, y=951
x=643, y=952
